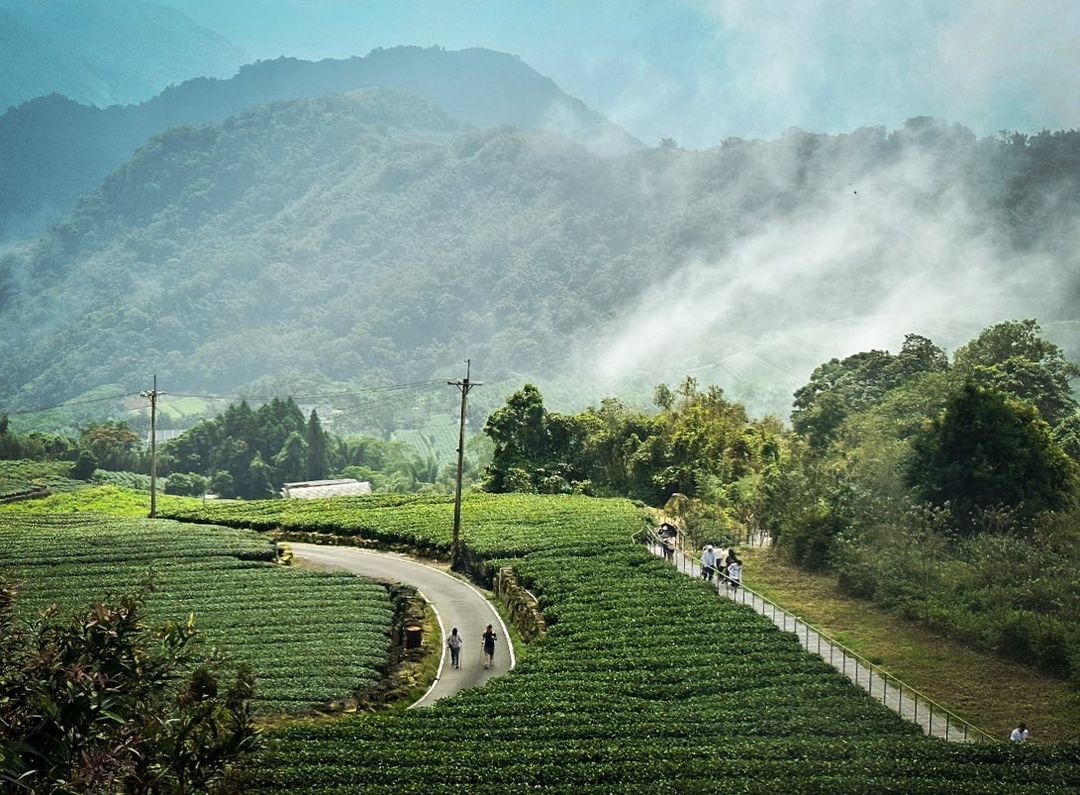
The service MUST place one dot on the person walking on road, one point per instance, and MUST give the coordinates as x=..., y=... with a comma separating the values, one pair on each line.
x=488, y=646
x=708, y=562
x=454, y=642
x=1019, y=734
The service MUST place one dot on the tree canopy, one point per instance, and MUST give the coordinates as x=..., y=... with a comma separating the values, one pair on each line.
x=988, y=452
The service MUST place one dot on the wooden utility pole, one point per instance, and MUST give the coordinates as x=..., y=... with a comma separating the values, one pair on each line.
x=464, y=386
x=153, y=395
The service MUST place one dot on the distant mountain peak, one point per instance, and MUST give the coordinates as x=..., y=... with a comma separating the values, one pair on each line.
x=103, y=53
x=54, y=150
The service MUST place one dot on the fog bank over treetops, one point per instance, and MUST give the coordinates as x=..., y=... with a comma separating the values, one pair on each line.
x=369, y=237
x=865, y=237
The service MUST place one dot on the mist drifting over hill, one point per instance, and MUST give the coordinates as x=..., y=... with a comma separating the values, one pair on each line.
x=924, y=230
x=327, y=219
x=372, y=233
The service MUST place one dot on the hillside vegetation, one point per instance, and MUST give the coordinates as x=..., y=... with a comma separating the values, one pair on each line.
x=308, y=637
x=643, y=677
x=58, y=148
x=370, y=233
x=945, y=490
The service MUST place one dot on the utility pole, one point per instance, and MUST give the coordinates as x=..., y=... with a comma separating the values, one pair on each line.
x=464, y=387
x=153, y=395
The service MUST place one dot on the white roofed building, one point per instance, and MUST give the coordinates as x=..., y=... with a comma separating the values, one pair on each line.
x=307, y=489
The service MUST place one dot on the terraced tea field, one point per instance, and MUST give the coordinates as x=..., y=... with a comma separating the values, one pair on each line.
x=20, y=477
x=497, y=525
x=308, y=636
x=644, y=682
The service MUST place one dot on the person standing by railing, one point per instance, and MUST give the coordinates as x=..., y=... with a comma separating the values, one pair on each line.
x=708, y=562
x=734, y=570
x=668, y=539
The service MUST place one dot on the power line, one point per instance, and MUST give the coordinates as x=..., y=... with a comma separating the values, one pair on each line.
x=327, y=396
x=382, y=400
x=69, y=404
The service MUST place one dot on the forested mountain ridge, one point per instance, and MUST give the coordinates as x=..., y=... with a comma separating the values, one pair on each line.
x=103, y=52
x=53, y=150
x=370, y=238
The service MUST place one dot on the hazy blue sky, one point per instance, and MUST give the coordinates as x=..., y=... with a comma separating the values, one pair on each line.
x=702, y=70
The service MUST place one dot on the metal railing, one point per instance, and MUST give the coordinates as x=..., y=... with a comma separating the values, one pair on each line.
x=910, y=703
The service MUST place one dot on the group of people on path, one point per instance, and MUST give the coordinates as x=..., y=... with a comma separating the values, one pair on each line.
x=487, y=645
x=724, y=565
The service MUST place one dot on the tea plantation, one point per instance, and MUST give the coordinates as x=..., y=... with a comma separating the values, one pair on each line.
x=497, y=525
x=644, y=682
x=309, y=637
x=21, y=477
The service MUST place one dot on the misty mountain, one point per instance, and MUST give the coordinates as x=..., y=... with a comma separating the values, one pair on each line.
x=53, y=150
x=370, y=238
x=104, y=52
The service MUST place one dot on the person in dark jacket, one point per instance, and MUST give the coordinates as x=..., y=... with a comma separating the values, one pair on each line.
x=489, y=646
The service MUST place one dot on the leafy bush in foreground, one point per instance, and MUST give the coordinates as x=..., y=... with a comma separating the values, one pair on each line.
x=101, y=703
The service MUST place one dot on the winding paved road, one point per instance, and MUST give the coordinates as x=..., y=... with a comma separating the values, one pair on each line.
x=456, y=603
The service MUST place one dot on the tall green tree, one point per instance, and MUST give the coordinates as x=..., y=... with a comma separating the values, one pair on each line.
x=114, y=445
x=519, y=433
x=318, y=448
x=842, y=387
x=290, y=464
x=1013, y=358
x=988, y=452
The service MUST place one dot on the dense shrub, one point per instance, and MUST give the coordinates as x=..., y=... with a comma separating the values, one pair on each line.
x=84, y=466
x=187, y=484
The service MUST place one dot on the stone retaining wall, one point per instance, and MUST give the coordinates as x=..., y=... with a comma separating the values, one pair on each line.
x=520, y=603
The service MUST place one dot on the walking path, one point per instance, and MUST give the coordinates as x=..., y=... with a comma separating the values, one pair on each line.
x=456, y=604
x=931, y=717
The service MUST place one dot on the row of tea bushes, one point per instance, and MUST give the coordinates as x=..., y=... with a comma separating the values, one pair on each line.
x=310, y=637
x=497, y=525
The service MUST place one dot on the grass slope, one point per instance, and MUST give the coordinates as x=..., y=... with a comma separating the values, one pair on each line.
x=112, y=500
x=947, y=671
x=20, y=477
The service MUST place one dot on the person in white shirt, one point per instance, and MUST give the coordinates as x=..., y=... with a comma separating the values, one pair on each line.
x=1019, y=734
x=734, y=572
x=708, y=562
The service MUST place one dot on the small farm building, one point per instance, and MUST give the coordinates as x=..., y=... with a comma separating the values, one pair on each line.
x=325, y=488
